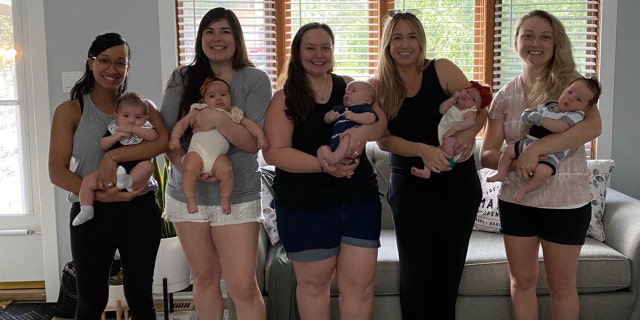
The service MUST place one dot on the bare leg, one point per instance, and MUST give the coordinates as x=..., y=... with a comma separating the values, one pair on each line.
x=540, y=177
x=192, y=167
x=313, y=289
x=355, y=276
x=333, y=157
x=522, y=258
x=561, y=266
x=87, y=196
x=237, y=252
x=508, y=155
x=204, y=262
x=221, y=170
x=447, y=145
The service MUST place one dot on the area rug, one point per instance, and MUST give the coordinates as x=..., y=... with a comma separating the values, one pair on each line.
x=29, y=311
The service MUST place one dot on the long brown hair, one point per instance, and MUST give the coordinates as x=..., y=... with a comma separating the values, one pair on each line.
x=200, y=69
x=299, y=97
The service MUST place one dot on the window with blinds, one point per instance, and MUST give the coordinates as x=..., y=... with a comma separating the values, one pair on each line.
x=579, y=17
x=258, y=20
x=475, y=34
x=355, y=25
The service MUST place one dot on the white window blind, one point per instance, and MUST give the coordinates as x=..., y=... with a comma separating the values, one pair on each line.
x=258, y=21
x=579, y=17
x=355, y=25
x=455, y=29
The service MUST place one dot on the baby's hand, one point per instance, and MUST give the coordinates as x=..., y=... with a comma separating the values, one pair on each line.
x=348, y=114
x=174, y=144
x=331, y=116
x=263, y=142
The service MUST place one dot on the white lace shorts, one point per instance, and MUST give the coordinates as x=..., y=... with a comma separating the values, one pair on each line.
x=176, y=211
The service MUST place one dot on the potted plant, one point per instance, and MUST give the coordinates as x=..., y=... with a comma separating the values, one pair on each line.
x=171, y=272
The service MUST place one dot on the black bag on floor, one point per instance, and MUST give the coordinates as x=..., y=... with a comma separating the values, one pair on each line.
x=68, y=295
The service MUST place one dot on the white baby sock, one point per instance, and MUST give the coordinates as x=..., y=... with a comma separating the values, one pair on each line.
x=123, y=180
x=86, y=214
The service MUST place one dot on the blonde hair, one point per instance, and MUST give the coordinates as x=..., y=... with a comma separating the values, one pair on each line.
x=560, y=71
x=387, y=81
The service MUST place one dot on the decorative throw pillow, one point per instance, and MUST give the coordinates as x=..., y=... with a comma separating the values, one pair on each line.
x=599, y=180
x=266, y=200
x=488, y=218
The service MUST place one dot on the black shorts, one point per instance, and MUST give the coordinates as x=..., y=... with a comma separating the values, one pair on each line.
x=564, y=226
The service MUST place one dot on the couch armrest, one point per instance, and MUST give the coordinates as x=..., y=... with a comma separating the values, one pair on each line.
x=622, y=231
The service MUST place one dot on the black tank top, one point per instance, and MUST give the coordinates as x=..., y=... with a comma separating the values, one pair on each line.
x=418, y=119
x=308, y=191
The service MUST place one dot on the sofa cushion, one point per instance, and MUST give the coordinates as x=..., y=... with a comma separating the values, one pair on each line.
x=600, y=268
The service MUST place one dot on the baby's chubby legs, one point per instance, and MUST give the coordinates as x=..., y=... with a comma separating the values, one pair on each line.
x=541, y=174
x=191, y=168
x=222, y=171
x=332, y=157
x=508, y=155
x=87, y=195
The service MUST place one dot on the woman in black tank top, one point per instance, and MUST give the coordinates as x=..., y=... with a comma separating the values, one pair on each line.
x=433, y=217
x=328, y=217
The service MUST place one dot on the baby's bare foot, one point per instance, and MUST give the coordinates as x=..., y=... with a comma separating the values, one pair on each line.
x=519, y=196
x=192, y=206
x=226, y=205
x=421, y=173
x=496, y=178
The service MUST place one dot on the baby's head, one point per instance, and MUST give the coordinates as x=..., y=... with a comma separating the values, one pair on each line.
x=359, y=92
x=216, y=93
x=475, y=95
x=131, y=110
x=579, y=95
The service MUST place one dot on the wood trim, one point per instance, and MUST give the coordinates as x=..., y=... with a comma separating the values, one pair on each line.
x=12, y=285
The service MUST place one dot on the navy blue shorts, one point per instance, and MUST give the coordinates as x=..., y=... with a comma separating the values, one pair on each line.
x=564, y=226
x=316, y=235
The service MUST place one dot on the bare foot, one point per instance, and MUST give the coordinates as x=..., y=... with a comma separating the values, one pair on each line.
x=325, y=153
x=421, y=173
x=496, y=178
x=226, y=205
x=519, y=196
x=192, y=206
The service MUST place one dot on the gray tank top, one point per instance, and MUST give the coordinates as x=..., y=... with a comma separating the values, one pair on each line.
x=86, y=154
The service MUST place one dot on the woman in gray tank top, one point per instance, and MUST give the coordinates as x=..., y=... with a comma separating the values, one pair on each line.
x=125, y=221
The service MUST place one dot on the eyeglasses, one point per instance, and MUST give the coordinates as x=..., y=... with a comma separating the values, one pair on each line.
x=120, y=65
x=393, y=13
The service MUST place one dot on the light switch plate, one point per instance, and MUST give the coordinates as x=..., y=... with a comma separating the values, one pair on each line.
x=69, y=79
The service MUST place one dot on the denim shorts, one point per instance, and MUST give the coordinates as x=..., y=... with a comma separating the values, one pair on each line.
x=176, y=211
x=563, y=226
x=314, y=235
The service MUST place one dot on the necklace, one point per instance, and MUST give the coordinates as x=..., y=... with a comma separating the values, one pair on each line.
x=327, y=83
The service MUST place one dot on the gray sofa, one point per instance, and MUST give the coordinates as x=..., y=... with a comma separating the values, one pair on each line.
x=608, y=272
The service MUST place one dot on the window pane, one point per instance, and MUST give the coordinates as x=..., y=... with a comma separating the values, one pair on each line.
x=579, y=17
x=257, y=18
x=11, y=174
x=455, y=30
x=12, y=188
x=355, y=26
